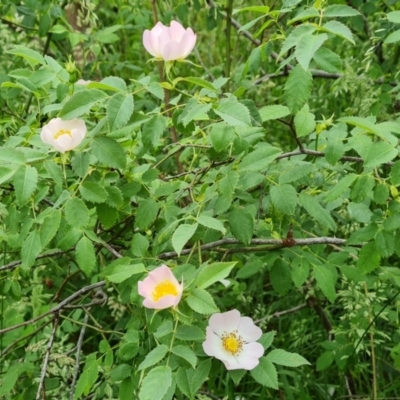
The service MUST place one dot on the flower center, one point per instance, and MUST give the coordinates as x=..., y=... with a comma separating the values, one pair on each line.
x=62, y=132
x=163, y=289
x=232, y=342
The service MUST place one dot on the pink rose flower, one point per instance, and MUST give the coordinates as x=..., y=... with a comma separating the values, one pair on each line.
x=169, y=43
x=160, y=289
x=63, y=135
x=232, y=339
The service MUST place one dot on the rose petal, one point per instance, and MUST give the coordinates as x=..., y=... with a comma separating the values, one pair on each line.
x=187, y=42
x=176, y=31
x=148, y=42
x=250, y=354
x=248, y=331
x=224, y=322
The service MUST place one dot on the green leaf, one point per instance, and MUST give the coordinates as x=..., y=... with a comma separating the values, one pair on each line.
x=80, y=163
x=266, y=339
x=395, y=173
x=50, y=226
x=241, y=225
x=106, y=214
x=119, y=110
x=12, y=156
x=156, y=383
x=362, y=189
x=114, y=196
x=154, y=357
x=186, y=353
x=394, y=16
x=328, y=60
x=196, y=81
x=304, y=122
x=273, y=112
x=31, y=248
x=280, y=277
x=282, y=357
x=182, y=235
x=183, y=380
x=259, y=159
x=202, y=302
x=325, y=280
x=359, y=212
x=146, y=213
x=210, y=222
x=368, y=258
x=81, y=102
x=194, y=111
x=221, y=136
x=338, y=10
x=88, y=377
x=5, y=174
x=294, y=37
x=259, y=9
x=236, y=375
x=32, y=56
x=379, y=153
x=335, y=148
x=265, y=373
x=325, y=360
x=109, y=152
x=338, y=29
x=201, y=374
x=76, y=213
x=384, y=242
x=314, y=208
x=93, y=192
x=300, y=271
x=381, y=193
x=394, y=37
x=305, y=14
x=153, y=130
x=340, y=187
x=212, y=273
x=297, y=88
x=392, y=223
x=25, y=181
x=123, y=272
x=139, y=245
x=307, y=46
x=295, y=171
x=284, y=198
x=189, y=333
x=233, y=113
x=10, y=377
x=85, y=255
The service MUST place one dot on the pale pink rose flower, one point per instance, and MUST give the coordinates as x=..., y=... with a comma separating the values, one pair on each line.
x=232, y=339
x=160, y=289
x=169, y=42
x=82, y=82
x=63, y=135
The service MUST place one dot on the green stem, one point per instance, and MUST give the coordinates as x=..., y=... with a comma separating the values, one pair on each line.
x=173, y=337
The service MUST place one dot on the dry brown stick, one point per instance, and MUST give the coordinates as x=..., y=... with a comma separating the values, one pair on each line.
x=282, y=313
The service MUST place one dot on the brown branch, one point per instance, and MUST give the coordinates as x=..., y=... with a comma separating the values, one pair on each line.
x=60, y=306
x=276, y=244
x=279, y=314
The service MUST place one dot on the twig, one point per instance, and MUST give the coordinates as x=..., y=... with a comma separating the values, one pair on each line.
x=111, y=249
x=282, y=313
x=14, y=264
x=78, y=356
x=276, y=242
x=46, y=358
x=59, y=306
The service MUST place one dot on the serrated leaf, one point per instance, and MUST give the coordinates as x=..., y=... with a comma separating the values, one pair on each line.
x=259, y=159
x=183, y=379
x=80, y=163
x=114, y=196
x=200, y=375
x=156, y=383
x=6, y=174
x=394, y=37
x=300, y=271
x=384, y=242
x=93, y=192
x=76, y=213
x=50, y=227
x=88, y=377
x=196, y=81
x=221, y=136
x=210, y=222
x=266, y=339
x=339, y=10
x=304, y=122
x=307, y=46
x=273, y=112
x=325, y=281
x=25, y=181
x=294, y=36
x=85, y=255
x=212, y=273
x=119, y=110
x=81, y=102
x=280, y=277
x=186, y=353
x=107, y=215
x=139, y=245
x=265, y=374
x=182, y=235
x=328, y=60
x=392, y=223
x=123, y=272
x=368, y=258
x=153, y=130
x=12, y=156
x=189, y=333
x=297, y=88
x=314, y=208
x=338, y=29
x=236, y=375
x=154, y=357
x=32, y=56
x=379, y=153
x=305, y=14
x=202, y=302
x=109, y=152
x=242, y=225
x=284, y=198
x=233, y=113
x=340, y=187
x=282, y=357
x=31, y=248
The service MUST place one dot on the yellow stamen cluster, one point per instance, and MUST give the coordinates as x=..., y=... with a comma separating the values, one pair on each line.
x=163, y=289
x=62, y=132
x=232, y=342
